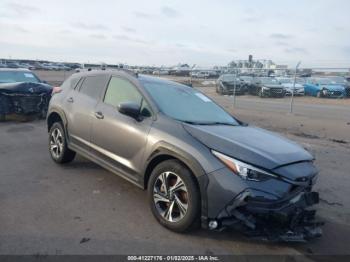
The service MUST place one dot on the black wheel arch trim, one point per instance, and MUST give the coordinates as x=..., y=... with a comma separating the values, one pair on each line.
x=62, y=115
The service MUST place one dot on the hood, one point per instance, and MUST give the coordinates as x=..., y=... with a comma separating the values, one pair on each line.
x=272, y=85
x=332, y=87
x=289, y=85
x=25, y=88
x=251, y=145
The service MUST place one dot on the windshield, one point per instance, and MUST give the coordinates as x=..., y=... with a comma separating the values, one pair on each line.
x=14, y=76
x=323, y=81
x=186, y=104
x=290, y=81
x=269, y=80
x=228, y=78
x=285, y=80
x=338, y=80
x=246, y=78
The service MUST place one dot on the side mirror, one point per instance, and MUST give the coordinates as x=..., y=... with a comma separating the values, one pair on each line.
x=130, y=109
x=44, y=82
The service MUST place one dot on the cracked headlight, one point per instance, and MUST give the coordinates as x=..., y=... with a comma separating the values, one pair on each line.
x=245, y=171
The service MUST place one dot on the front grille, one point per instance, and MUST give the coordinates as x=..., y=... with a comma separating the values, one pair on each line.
x=29, y=104
x=347, y=91
x=335, y=93
x=276, y=91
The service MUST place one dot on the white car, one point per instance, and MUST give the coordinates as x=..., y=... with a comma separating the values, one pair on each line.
x=288, y=83
x=200, y=74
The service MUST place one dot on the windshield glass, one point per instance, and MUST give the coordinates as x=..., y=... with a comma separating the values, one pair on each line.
x=186, y=104
x=14, y=76
x=290, y=81
x=268, y=80
x=228, y=77
x=246, y=78
x=338, y=80
x=285, y=80
x=323, y=81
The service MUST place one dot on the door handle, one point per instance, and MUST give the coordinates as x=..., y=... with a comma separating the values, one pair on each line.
x=70, y=100
x=99, y=115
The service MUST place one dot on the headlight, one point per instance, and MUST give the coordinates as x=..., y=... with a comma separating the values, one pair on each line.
x=265, y=88
x=243, y=170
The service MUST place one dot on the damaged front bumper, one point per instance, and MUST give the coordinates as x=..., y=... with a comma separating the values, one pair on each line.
x=24, y=98
x=286, y=220
x=261, y=214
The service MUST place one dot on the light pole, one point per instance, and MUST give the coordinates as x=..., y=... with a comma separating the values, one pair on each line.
x=295, y=78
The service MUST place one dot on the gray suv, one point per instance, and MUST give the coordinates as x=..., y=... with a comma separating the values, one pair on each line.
x=200, y=165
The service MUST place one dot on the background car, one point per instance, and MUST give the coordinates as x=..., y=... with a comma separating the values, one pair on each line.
x=339, y=80
x=269, y=87
x=288, y=84
x=227, y=84
x=200, y=74
x=324, y=87
x=22, y=92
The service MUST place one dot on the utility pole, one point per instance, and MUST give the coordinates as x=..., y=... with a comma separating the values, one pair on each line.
x=234, y=88
x=295, y=78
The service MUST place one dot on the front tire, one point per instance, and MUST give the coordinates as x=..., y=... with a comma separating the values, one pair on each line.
x=58, y=148
x=174, y=196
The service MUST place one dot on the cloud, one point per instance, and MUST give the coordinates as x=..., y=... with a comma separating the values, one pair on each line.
x=131, y=39
x=91, y=27
x=14, y=28
x=281, y=43
x=230, y=50
x=129, y=29
x=280, y=36
x=14, y=9
x=169, y=12
x=296, y=50
x=98, y=36
x=144, y=15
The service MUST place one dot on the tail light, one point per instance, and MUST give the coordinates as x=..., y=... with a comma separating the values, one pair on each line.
x=56, y=90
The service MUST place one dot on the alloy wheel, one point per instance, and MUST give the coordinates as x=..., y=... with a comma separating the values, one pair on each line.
x=56, y=143
x=170, y=196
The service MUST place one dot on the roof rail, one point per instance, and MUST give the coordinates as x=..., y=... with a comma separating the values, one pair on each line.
x=130, y=72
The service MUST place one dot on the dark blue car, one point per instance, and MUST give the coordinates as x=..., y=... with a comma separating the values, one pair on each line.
x=324, y=87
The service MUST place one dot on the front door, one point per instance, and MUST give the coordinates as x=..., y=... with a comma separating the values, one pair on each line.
x=117, y=139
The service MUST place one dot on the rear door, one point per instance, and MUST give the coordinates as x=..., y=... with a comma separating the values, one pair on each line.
x=117, y=139
x=81, y=103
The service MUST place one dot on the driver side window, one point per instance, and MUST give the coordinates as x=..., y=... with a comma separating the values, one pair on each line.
x=121, y=91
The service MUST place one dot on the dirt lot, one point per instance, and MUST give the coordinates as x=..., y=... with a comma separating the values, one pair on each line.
x=82, y=209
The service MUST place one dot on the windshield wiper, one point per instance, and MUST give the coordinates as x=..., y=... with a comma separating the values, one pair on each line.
x=209, y=123
x=219, y=123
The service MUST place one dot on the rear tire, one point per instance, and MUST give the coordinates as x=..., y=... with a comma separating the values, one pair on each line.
x=59, y=151
x=174, y=196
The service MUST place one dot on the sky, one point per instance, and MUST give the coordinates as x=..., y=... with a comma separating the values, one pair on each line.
x=168, y=32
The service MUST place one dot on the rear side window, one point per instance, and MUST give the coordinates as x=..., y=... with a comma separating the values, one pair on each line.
x=71, y=82
x=93, y=85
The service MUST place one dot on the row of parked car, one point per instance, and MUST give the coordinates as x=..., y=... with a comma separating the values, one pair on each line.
x=331, y=87
x=40, y=66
